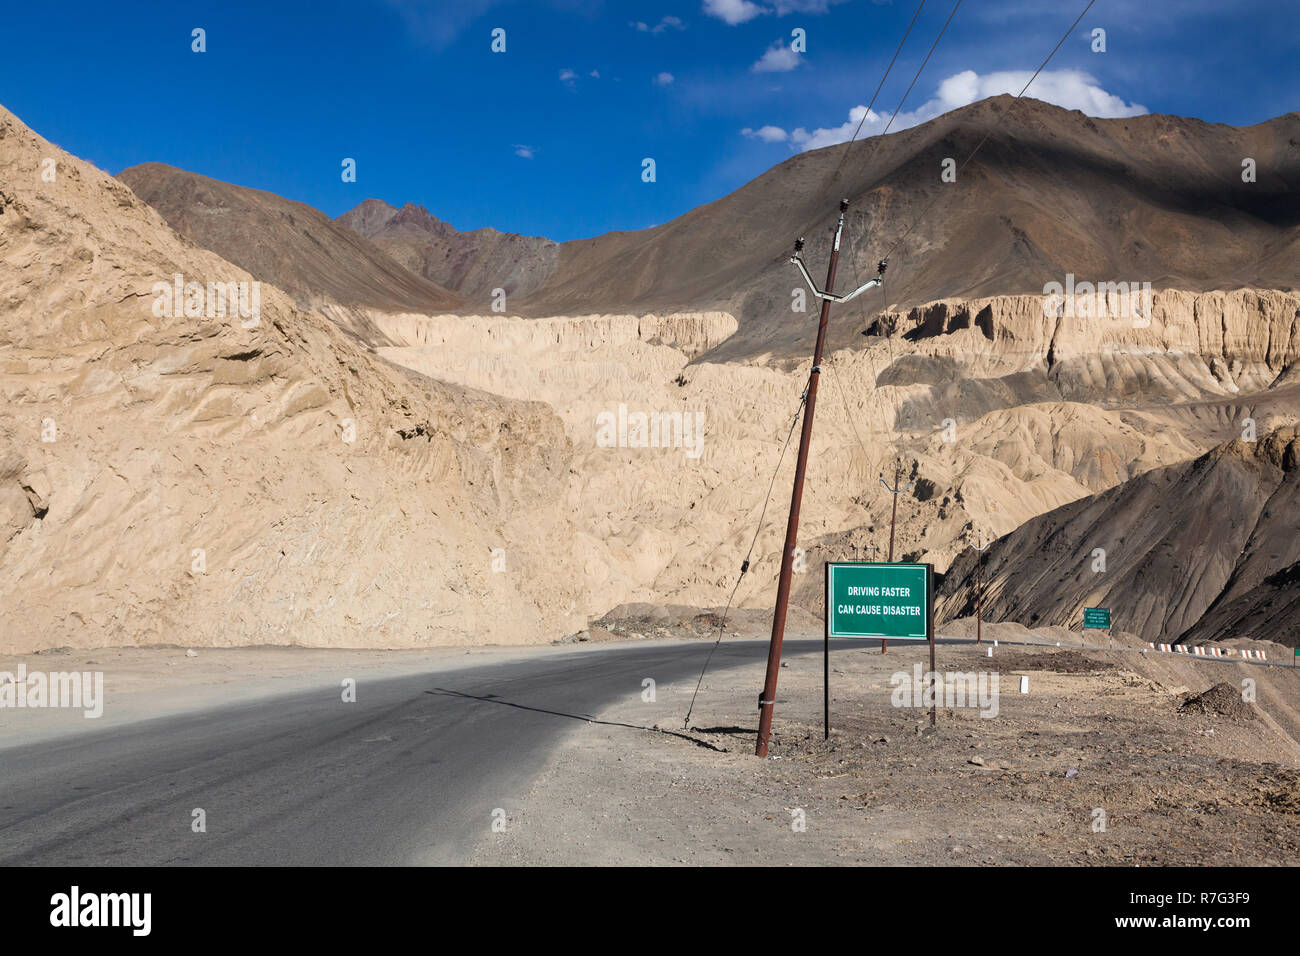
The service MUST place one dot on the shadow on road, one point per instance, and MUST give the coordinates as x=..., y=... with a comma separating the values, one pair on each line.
x=586, y=718
x=730, y=731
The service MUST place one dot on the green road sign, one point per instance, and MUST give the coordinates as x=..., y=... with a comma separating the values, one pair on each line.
x=869, y=599
x=1098, y=617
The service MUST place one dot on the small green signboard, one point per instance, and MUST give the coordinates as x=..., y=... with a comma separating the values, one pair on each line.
x=869, y=599
x=1098, y=617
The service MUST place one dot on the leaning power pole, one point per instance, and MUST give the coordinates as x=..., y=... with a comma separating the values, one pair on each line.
x=767, y=700
x=893, y=517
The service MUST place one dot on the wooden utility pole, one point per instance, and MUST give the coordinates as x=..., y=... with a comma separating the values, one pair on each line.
x=767, y=700
x=893, y=517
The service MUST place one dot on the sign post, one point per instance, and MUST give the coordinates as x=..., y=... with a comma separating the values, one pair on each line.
x=1097, y=618
x=881, y=600
x=826, y=675
x=929, y=630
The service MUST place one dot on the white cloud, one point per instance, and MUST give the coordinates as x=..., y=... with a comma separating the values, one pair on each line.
x=667, y=23
x=570, y=77
x=768, y=134
x=838, y=134
x=526, y=152
x=1070, y=89
x=663, y=79
x=805, y=6
x=439, y=24
x=732, y=12
x=779, y=58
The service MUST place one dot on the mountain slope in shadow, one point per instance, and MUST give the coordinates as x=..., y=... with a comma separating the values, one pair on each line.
x=1216, y=534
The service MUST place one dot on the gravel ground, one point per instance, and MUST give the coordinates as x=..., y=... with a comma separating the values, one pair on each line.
x=1101, y=763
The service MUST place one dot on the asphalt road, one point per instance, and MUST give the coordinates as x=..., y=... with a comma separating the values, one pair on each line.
x=409, y=773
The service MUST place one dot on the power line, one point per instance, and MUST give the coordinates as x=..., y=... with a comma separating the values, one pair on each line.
x=987, y=135
x=922, y=66
x=895, y=489
x=774, y=650
x=876, y=139
x=894, y=115
x=1065, y=36
x=744, y=567
x=853, y=266
x=845, y=154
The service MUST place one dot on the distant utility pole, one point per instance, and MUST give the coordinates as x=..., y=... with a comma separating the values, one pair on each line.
x=893, y=517
x=767, y=700
x=979, y=589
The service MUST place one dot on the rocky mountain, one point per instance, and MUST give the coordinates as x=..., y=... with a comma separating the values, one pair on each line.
x=1269, y=611
x=1051, y=193
x=473, y=264
x=286, y=243
x=1201, y=550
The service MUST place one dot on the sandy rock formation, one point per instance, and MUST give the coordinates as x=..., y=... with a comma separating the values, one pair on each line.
x=658, y=525
x=174, y=478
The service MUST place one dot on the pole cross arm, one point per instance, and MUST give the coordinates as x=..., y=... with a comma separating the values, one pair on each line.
x=830, y=296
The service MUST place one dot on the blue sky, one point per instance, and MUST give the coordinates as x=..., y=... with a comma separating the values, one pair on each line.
x=548, y=137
